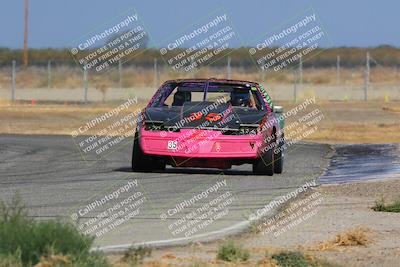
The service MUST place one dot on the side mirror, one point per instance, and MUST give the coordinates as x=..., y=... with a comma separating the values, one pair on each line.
x=278, y=109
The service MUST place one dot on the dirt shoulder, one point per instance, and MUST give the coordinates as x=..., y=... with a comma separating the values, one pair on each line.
x=343, y=207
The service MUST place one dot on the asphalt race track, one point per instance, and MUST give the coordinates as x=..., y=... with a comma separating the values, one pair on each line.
x=54, y=181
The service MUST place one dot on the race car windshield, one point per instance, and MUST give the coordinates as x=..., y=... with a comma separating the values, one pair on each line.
x=237, y=95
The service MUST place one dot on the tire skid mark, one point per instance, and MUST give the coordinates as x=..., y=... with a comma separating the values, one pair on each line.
x=362, y=162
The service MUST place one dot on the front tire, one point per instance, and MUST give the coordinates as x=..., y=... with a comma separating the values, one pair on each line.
x=140, y=161
x=279, y=157
x=265, y=163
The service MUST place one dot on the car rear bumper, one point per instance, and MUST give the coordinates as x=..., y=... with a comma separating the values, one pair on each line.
x=194, y=143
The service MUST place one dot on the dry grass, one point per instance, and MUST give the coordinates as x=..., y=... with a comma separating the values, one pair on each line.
x=54, y=260
x=259, y=256
x=68, y=77
x=357, y=133
x=267, y=262
x=169, y=256
x=53, y=119
x=392, y=109
x=358, y=236
x=4, y=102
x=355, y=122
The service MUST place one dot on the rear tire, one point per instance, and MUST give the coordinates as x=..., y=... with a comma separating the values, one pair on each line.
x=140, y=162
x=265, y=163
x=158, y=164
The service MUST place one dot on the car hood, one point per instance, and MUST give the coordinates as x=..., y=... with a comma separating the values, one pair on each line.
x=203, y=115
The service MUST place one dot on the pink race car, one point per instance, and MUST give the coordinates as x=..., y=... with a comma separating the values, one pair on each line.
x=210, y=123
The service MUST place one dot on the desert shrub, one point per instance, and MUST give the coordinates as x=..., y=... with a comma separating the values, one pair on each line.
x=291, y=259
x=232, y=252
x=297, y=259
x=34, y=239
x=135, y=256
x=380, y=205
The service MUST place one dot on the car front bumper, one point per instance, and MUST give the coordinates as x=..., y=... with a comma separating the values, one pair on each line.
x=195, y=143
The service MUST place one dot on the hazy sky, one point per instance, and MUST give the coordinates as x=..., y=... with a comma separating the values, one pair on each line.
x=57, y=23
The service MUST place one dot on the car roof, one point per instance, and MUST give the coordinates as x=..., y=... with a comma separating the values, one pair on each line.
x=214, y=80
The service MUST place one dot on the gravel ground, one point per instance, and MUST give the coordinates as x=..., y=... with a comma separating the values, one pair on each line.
x=343, y=207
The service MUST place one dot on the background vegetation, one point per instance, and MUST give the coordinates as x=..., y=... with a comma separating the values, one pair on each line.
x=350, y=57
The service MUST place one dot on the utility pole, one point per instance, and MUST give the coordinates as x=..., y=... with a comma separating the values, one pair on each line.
x=85, y=83
x=156, y=82
x=366, y=83
x=262, y=75
x=13, y=79
x=295, y=78
x=301, y=70
x=49, y=74
x=228, y=68
x=26, y=8
x=119, y=74
x=337, y=69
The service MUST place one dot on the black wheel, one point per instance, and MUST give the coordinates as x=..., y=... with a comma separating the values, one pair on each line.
x=265, y=163
x=140, y=162
x=158, y=164
x=279, y=156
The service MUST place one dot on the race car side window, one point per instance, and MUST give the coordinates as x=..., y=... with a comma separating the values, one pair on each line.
x=163, y=93
x=254, y=101
x=266, y=98
x=170, y=98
